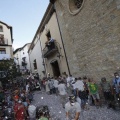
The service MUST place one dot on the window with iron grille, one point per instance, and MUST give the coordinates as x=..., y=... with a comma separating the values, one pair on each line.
x=2, y=39
x=1, y=29
x=48, y=35
x=35, y=64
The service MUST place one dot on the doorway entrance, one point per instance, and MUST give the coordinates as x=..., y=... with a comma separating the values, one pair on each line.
x=55, y=68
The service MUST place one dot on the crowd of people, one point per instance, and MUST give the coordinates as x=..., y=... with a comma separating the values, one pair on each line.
x=83, y=92
x=16, y=98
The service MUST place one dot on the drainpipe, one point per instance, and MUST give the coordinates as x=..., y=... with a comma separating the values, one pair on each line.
x=30, y=62
x=62, y=40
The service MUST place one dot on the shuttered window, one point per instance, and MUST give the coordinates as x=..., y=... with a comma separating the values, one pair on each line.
x=2, y=51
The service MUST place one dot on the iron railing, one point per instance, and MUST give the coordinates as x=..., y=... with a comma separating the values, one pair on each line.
x=50, y=48
x=3, y=41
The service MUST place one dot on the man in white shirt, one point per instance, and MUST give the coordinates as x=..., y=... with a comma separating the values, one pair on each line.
x=74, y=87
x=69, y=81
x=51, y=85
x=27, y=87
x=79, y=84
x=32, y=112
x=56, y=86
x=72, y=109
x=81, y=93
x=62, y=92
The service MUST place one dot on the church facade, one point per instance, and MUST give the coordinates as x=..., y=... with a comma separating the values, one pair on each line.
x=91, y=35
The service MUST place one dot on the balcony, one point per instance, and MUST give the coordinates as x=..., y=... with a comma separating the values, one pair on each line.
x=3, y=41
x=50, y=49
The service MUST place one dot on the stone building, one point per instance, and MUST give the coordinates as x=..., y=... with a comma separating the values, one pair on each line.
x=91, y=35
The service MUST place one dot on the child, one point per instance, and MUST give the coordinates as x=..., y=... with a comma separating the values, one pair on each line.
x=93, y=91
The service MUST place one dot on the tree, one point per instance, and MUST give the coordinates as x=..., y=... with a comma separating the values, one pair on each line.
x=8, y=69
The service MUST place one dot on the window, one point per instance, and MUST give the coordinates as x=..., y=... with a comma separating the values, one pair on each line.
x=1, y=29
x=24, y=59
x=2, y=39
x=48, y=35
x=78, y=3
x=35, y=64
x=75, y=6
x=2, y=51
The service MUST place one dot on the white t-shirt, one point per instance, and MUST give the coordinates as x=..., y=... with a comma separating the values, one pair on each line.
x=32, y=111
x=27, y=88
x=69, y=80
x=72, y=109
x=62, y=89
x=74, y=86
x=55, y=83
x=80, y=85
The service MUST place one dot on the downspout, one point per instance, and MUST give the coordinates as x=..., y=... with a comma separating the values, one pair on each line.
x=30, y=63
x=62, y=41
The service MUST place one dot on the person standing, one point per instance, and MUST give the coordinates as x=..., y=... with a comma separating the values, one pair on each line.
x=32, y=112
x=69, y=80
x=62, y=93
x=27, y=87
x=93, y=91
x=51, y=85
x=80, y=91
x=74, y=87
x=47, y=87
x=20, y=113
x=106, y=89
x=116, y=86
x=56, y=85
x=72, y=109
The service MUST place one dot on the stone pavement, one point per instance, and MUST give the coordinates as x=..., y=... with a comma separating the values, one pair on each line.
x=58, y=113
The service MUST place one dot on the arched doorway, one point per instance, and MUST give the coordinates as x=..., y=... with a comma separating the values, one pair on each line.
x=55, y=68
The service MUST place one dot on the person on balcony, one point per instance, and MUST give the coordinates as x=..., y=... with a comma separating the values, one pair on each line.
x=50, y=43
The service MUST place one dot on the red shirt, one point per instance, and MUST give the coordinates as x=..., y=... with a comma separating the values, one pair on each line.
x=19, y=112
x=16, y=107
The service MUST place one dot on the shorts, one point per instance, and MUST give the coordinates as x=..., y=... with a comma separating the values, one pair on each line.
x=107, y=95
x=96, y=96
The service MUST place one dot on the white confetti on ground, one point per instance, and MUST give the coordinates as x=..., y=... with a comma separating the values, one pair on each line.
x=58, y=113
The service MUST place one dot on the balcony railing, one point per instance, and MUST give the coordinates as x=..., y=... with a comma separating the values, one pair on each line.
x=3, y=41
x=50, y=49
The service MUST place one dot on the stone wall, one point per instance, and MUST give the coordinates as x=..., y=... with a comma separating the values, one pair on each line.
x=91, y=37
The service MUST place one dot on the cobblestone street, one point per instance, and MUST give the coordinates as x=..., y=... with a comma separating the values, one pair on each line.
x=58, y=113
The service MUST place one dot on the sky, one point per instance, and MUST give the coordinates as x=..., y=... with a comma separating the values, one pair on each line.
x=24, y=16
